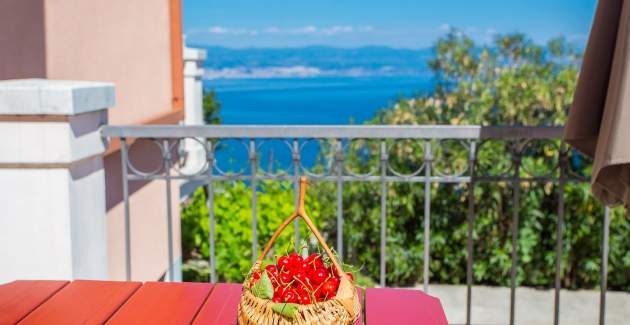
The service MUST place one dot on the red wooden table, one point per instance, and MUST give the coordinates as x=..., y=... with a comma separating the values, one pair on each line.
x=111, y=302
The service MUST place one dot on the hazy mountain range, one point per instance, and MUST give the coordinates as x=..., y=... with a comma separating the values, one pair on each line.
x=314, y=61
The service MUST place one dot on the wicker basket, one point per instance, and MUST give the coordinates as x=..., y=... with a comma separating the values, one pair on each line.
x=344, y=308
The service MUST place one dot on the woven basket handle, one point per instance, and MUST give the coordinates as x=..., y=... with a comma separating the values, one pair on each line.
x=300, y=212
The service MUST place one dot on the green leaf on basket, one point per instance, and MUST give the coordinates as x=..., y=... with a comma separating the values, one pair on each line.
x=286, y=309
x=263, y=288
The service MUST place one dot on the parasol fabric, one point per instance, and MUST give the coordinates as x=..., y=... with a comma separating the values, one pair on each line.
x=599, y=120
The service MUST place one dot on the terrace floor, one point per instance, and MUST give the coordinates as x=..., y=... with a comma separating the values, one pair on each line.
x=491, y=305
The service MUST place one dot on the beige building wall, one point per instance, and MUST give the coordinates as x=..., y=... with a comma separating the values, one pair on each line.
x=127, y=42
x=122, y=41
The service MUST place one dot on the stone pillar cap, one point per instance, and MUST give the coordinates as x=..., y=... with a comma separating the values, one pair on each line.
x=54, y=97
x=194, y=54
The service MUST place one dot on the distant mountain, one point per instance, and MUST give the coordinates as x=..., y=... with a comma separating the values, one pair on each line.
x=314, y=61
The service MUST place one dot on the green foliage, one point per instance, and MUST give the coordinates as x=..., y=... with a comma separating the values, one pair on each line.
x=363, y=281
x=195, y=269
x=233, y=229
x=211, y=108
x=512, y=82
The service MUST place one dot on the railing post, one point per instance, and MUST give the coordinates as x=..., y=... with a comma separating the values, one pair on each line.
x=296, y=187
x=254, y=171
x=563, y=160
x=383, y=213
x=168, y=164
x=516, y=191
x=428, y=157
x=471, y=224
x=124, y=160
x=339, y=173
x=53, y=218
x=210, y=207
x=604, y=275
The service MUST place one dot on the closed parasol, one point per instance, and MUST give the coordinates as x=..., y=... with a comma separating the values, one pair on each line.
x=599, y=120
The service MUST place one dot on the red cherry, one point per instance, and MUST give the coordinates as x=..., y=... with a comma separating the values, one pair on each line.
x=290, y=297
x=275, y=281
x=319, y=293
x=318, y=276
x=279, y=292
x=315, y=260
x=305, y=298
x=271, y=269
x=283, y=263
x=329, y=289
x=300, y=277
x=304, y=287
x=256, y=275
x=277, y=299
x=302, y=267
x=295, y=260
x=285, y=278
x=293, y=271
x=311, y=257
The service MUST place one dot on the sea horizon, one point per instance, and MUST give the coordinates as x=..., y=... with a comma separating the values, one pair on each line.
x=312, y=100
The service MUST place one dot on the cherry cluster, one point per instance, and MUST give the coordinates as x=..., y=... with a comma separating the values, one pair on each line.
x=298, y=280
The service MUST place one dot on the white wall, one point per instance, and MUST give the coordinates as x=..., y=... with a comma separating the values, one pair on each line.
x=52, y=186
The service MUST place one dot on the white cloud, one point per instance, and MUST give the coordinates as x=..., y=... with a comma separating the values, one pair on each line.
x=337, y=30
x=220, y=30
x=217, y=30
x=302, y=30
x=445, y=27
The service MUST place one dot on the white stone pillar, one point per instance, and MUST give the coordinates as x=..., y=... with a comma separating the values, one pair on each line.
x=52, y=184
x=193, y=105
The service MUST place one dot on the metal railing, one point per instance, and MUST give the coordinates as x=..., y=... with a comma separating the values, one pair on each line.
x=470, y=138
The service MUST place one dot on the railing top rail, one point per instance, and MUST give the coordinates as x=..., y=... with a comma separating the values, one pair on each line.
x=335, y=131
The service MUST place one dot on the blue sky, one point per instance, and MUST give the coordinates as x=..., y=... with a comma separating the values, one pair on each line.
x=396, y=23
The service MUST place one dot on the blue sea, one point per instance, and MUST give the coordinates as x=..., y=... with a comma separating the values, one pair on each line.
x=326, y=101
x=321, y=100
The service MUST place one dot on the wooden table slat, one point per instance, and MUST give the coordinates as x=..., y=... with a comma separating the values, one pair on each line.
x=163, y=303
x=402, y=306
x=19, y=298
x=93, y=302
x=221, y=306
x=83, y=302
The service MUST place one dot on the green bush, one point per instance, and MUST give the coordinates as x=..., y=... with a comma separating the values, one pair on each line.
x=511, y=82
